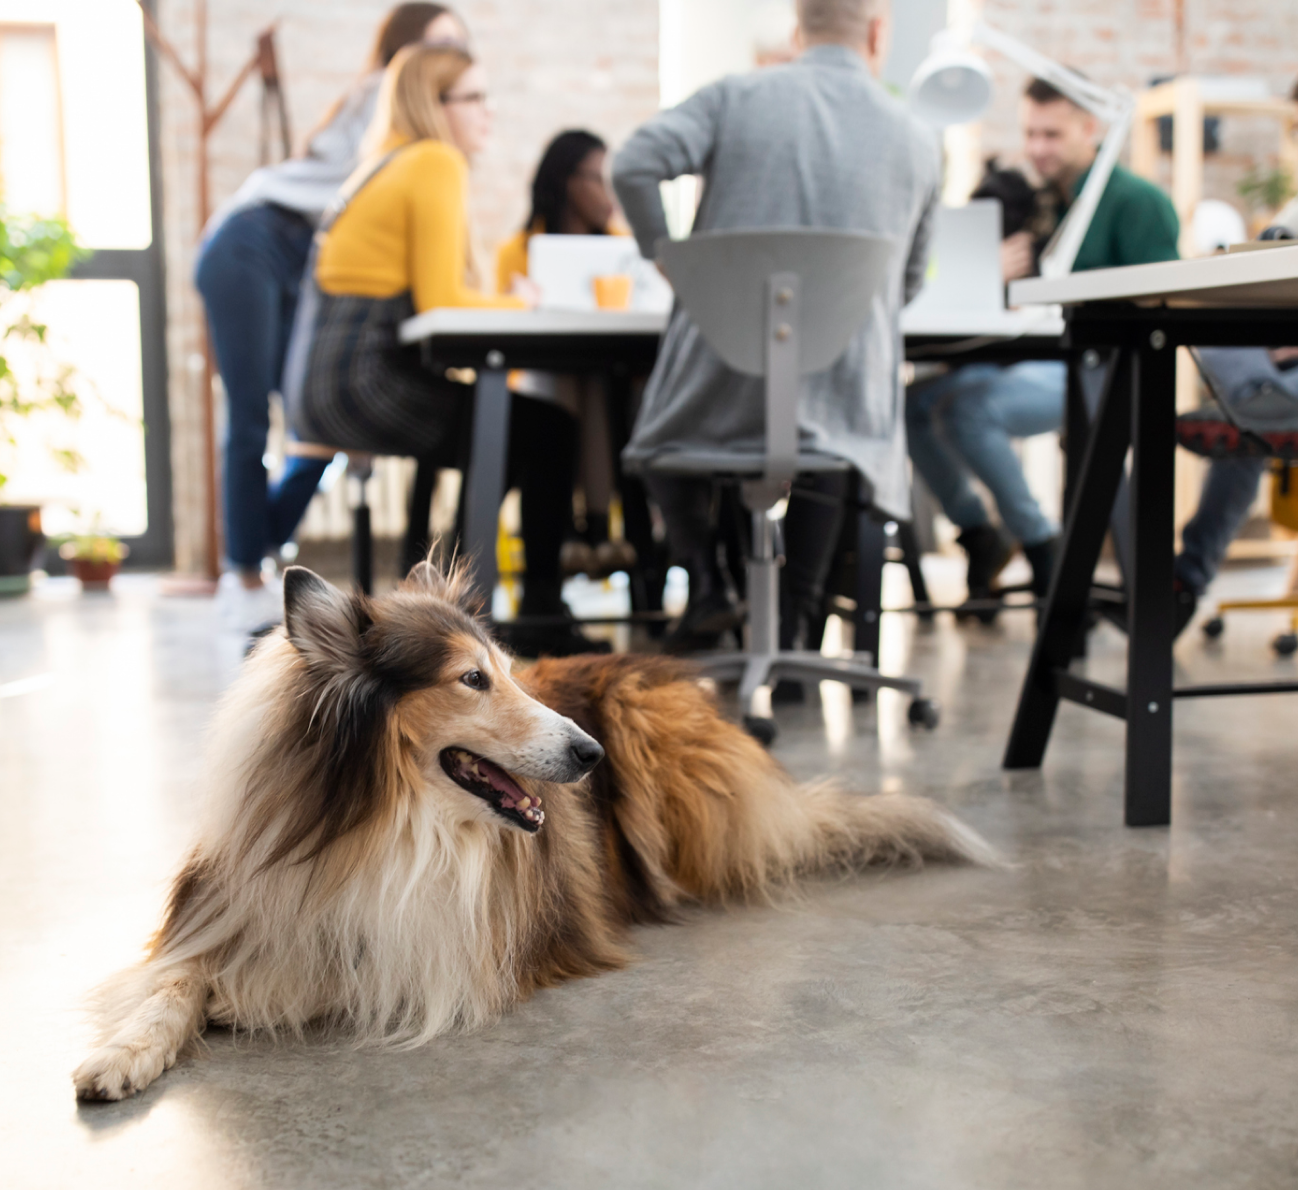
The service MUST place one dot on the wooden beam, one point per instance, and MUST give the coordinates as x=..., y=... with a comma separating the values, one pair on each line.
x=1187, y=157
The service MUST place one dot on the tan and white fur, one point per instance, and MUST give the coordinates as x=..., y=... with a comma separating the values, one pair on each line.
x=403, y=836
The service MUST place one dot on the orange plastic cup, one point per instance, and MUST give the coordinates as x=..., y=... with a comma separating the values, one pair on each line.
x=613, y=292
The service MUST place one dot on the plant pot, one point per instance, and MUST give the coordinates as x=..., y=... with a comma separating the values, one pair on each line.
x=94, y=576
x=20, y=541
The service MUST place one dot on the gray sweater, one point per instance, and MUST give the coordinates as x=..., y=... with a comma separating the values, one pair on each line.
x=816, y=143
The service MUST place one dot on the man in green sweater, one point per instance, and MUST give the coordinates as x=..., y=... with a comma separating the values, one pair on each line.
x=981, y=408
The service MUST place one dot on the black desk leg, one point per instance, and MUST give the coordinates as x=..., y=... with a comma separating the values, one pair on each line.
x=485, y=483
x=1065, y=611
x=1077, y=422
x=1150, y=609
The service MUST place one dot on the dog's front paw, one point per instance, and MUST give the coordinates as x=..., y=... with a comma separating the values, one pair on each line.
x=118, y=1071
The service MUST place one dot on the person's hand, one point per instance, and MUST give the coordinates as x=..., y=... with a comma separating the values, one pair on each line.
x=1016, y=256
x=527, y=289
x=1283, y=355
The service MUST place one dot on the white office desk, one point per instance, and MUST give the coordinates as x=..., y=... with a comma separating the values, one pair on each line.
x=1258, y=278
x=624, y=342
x=1138, y=316
x=1046, y=322
x=448, y=321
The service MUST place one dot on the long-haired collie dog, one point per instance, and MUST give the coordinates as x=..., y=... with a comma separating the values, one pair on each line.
x=403, y=836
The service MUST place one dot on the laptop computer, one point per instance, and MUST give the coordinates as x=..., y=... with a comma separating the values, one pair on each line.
x=564, y=267
x=964, y=262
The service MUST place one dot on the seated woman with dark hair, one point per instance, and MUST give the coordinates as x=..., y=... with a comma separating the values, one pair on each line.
x=571, y=196
x=401, y=246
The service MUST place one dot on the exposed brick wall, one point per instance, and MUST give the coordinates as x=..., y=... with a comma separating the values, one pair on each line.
x=553, y=64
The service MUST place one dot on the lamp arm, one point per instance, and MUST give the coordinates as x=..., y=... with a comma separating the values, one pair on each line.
x=1060, y=253
x=1100, y=101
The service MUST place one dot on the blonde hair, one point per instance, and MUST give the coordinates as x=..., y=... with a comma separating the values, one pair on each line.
x=847, y=21
x=410, y=96
x=410, y=106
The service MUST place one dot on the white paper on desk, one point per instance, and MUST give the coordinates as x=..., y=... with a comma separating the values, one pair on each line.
x=565, y=268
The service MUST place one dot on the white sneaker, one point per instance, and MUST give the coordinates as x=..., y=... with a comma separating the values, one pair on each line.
x=245, y=610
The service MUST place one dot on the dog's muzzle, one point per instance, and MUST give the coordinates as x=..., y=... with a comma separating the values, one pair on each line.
x=501, y=791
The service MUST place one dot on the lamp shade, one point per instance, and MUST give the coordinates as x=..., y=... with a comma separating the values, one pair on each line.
x=951, y=86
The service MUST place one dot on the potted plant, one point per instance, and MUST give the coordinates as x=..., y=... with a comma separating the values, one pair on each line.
x=1265, y=191
x=33, y=250
x=94, y=558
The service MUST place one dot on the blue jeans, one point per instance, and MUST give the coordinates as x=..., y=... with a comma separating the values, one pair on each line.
x=248, y=274
x=964, y=421
x=1231, y=485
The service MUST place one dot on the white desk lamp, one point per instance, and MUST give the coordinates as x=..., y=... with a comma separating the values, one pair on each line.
x=954, y=86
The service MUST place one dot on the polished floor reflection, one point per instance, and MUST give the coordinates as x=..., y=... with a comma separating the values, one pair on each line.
x=1120, y=1008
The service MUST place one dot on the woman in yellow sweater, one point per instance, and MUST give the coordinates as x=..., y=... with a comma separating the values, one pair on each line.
x=400, y=247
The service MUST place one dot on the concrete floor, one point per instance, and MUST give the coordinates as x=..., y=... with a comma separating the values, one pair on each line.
x=1118, y=1010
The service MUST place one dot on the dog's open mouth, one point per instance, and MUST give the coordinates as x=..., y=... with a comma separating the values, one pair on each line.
x=493, y=785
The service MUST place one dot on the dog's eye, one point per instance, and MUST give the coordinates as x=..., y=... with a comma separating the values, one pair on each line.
x=475, y=679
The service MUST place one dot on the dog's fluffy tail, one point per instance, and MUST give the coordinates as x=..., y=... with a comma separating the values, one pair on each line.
x=846, y=830
x=710, y=812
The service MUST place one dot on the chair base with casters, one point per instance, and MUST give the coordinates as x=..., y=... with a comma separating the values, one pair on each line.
x=763, y=662
x=781, y=304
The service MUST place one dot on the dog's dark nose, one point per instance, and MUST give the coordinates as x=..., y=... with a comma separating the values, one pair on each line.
x=586, y=752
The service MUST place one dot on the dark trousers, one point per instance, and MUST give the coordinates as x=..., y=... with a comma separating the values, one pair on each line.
x=817, y=505
x=248, y=274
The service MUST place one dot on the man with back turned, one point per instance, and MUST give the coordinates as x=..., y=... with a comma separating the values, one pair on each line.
x=818, y=142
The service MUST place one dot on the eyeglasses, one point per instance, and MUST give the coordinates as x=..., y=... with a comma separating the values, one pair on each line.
x=469, y=97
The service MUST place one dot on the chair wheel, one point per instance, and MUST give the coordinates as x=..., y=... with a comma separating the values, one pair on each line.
x=763, y=731
x=924, y=712
x=1214, y=628
x=1286, y=644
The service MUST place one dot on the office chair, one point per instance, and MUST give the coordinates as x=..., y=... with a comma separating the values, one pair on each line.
x=782, y=304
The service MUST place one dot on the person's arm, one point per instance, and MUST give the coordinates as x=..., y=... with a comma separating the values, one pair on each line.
x=338, y=138
x=673, y=143
x=1146, y=230
x=511, y=262
x=439, y=235
x=917, y=261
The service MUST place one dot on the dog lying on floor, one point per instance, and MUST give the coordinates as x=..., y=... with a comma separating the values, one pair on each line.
x=403, y=837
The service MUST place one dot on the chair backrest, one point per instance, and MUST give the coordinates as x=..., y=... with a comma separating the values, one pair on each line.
x=721, y=278
x=780, y=303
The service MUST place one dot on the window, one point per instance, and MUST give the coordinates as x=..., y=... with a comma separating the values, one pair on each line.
x=74, y=141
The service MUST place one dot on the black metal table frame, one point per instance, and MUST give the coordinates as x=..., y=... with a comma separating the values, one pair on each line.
x=618, y=357
x=1136, y=411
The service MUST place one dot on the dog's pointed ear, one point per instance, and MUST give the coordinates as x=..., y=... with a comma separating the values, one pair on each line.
x=454, y=585
x=319, y=618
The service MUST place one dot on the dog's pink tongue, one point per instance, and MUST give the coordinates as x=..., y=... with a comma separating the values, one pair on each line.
x=502, y=782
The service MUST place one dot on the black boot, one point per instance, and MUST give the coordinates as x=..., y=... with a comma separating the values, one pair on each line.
x=989, y=551
x=1041, y=557
x=710, y=613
